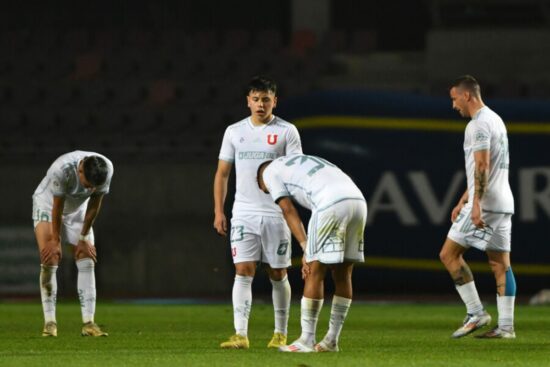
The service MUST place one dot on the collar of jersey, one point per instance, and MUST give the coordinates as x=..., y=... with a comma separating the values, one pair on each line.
x=476, y=115
x=273, y=117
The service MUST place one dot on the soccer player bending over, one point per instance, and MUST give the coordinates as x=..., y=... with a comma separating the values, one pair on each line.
x=335, y=242
x=483, y=216
x=65, y=205
x=258, y=231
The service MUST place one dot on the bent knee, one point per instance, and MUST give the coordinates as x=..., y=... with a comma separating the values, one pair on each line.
x=446, y=257
x=53, y=260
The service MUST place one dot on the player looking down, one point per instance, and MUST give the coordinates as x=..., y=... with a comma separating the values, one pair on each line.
x=483, y=216
x=65, y=206
x=335, y=241
x=258, y=230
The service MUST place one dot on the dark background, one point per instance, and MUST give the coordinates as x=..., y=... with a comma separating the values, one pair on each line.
x=152, y=85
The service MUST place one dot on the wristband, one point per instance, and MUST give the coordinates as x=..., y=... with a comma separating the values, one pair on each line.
x=303, y=245
x=83, y=237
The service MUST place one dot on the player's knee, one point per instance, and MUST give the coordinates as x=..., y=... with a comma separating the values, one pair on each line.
x=53, y=260
x=276, y=274
x=245, y=269
x=498, y=268
x=340, y=274
x=444, y=256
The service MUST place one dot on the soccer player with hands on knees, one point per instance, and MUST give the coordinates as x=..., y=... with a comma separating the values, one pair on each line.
x=258, y=230
x=483, y=216
x=335, y=241
x=65, y=206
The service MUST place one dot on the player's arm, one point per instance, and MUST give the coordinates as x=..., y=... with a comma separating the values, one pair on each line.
x=94, y=205
x=458, y=207
x=85, y=248
x=293, y=220
x=297, y=228
x=220, y=192
x=57, y=215
x=481, y=179
x=53, y=244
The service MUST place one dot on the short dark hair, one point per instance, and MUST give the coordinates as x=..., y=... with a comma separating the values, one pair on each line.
x=261, y=83
x=467, y=82
x=95, y=170
x=260, y=169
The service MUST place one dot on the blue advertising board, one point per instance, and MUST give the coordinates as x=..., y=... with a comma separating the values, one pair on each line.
x=405, y=153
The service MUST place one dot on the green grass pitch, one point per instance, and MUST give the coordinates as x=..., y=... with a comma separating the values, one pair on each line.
x=189, y=335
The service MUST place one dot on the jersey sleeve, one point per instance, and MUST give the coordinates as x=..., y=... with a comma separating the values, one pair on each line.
x=274, y=184
x=481, y=136
x=227, y=151
x=293, y=142
x=59, y=183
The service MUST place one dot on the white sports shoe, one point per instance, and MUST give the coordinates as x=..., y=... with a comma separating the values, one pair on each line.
x=298, y=346
x=471, y=323
x=498, y=333
x=326, y=346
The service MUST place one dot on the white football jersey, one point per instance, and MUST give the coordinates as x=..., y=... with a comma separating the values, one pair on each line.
x=486, y=131
x=313, y=182
x=247, y=146
x=62, y=180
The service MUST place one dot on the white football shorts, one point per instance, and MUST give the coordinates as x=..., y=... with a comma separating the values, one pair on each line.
x=495, y=236
x=336, y=234
x=71, y=225
x=259, y=238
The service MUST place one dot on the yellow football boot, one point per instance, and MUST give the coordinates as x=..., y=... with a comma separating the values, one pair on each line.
x=236, y=342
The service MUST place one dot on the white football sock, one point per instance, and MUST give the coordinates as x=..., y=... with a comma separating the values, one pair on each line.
x=505, y=306
x=48, y=291
x=468, y=293
x=281, y=304
x=86, y=288
x=338, y=313
x=242, y=302
x=309, y=315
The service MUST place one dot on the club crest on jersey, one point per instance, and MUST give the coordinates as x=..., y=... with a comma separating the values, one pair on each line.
x=272, y=139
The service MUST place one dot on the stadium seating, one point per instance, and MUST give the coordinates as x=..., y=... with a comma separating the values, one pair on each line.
x=135, y=90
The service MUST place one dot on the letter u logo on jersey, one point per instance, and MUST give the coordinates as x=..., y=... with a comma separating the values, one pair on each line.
x=272, y=139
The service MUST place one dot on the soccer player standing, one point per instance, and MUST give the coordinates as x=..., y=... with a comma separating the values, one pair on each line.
x=65, y=206
x=258, y=230
x=335, y=242
x=483, y=216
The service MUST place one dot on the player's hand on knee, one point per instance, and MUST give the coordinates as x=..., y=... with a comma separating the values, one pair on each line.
x=306, y=270
x=51, y=253
x=85, y=249
x=220, y=224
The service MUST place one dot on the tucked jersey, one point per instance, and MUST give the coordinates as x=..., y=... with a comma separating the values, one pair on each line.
x=313, y=182
x=62, y=180
x=247, y=146
x=486, y=131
